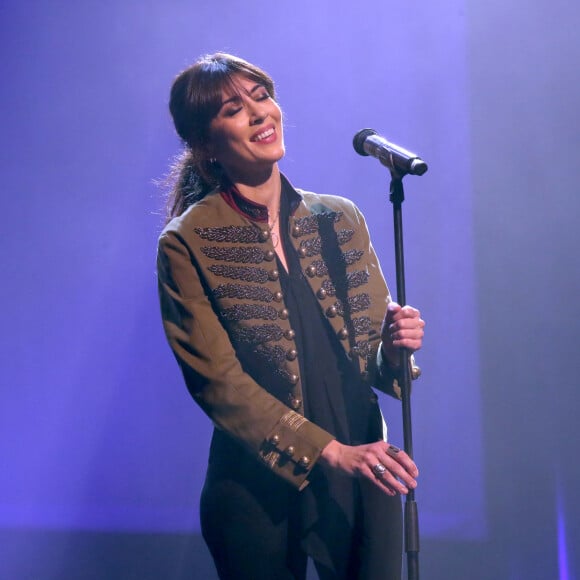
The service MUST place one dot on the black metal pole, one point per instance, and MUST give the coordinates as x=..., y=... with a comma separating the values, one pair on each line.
x=397, y=196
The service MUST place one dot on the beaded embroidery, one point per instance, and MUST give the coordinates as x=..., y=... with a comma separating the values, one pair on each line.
x=233, y=234
x=313, y=246
x=356, y=303
x=257, y=334
x=349, y=258
x=240, y=255
x=309, y=224
x=243, y=292
x=364, y=349
x=354, y=280
x=245, y=273
x=361, y=325
x=249, y=312
x=272, y=354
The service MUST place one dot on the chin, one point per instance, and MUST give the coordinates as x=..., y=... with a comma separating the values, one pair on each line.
x=274, y=158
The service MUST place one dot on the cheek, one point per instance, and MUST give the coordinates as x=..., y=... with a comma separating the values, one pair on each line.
x=276, y=111
x=223, y=141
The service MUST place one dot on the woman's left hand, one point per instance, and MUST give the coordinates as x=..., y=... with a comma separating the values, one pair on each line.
x=402, y=328
x=384, y=465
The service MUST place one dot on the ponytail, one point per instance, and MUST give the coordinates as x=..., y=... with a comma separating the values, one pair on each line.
x=189, y=181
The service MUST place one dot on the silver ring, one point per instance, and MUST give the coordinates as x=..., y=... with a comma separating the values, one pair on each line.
x=379, y=469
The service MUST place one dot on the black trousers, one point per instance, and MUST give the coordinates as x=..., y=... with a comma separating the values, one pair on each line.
x=251, y=523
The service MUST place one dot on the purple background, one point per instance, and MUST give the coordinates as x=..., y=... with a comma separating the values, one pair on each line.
x=102, y=452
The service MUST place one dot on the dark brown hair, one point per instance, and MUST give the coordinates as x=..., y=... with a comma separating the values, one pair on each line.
x=195, y=99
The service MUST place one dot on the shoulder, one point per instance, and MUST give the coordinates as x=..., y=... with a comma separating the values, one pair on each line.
x=332, y=201
x=317, y=203
x=211, y=211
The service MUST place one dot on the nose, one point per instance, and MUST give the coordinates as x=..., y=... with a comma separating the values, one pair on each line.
x=257, y=113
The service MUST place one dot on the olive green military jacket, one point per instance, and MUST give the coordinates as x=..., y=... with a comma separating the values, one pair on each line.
x=222, y=302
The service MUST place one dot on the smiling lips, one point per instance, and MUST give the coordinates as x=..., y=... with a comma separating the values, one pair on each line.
x=267, y=135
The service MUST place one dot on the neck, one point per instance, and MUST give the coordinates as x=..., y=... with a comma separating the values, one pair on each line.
x=263, y=189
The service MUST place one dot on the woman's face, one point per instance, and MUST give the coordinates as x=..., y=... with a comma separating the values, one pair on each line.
x=246, y=136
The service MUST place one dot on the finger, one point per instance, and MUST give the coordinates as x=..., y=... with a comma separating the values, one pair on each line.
x=404, y=312
x=397, y=332
x=401, y=465
x=392, y=310
x=405, y=329
x=409, y=312
x=390, y=479
x=410, y=344
x=386, y=464
x=412, y=324
x=406, y=333
x=403, y=460
x=378, y=481
x=381, y=481
x=407, y=323
x=401, y=457
x=394, y=451
x=387, y=469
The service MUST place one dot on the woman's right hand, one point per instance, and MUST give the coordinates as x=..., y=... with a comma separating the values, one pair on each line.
x=400, y=472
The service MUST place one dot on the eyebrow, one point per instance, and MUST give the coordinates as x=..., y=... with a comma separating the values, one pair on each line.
x=236, y=97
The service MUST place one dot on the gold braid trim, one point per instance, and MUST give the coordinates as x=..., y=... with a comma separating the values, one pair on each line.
x=270, y=458
x=293, y=420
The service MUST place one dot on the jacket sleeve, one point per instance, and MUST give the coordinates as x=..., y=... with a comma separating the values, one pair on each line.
x=214, y=375
x=378, y=371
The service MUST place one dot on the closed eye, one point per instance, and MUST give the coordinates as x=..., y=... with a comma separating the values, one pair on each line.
x=230, y=112
x=234, y=104
x=262, y=96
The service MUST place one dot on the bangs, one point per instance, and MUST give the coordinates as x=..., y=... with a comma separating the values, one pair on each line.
x=217, y=77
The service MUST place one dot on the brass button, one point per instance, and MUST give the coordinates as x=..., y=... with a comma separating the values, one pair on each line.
x=289, y=334
x=331, y=311
x=293, y=379
x=264, y=235
x=278, y=296
x=415, y=372
x=283, y=314
x=273, y=275
x=304, y=461
x=311, y=271
x=296, y=231
x=321, y=294
x=275, y=439
x=295, y=404
x=290, y=451
x=269, y=255
x=292, y=354
x=343, y=334
x=302, y=252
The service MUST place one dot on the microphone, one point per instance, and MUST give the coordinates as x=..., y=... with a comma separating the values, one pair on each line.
x=399, y=160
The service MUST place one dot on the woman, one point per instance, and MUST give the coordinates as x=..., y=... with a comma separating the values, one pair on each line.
x=277, y=311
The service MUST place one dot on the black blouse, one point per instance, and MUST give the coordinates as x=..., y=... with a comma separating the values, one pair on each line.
x=335, y=399
x=334, y=396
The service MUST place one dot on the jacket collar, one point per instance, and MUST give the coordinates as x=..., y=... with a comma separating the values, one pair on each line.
x=256, y=211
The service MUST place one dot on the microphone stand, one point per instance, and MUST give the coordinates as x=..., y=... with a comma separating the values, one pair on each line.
x=397, y=196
